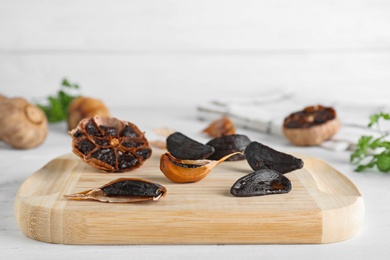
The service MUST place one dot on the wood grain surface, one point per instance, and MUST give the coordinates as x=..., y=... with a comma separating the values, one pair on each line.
x=323, y=207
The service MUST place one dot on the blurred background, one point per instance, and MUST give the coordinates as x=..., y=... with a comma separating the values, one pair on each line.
x=160, y=51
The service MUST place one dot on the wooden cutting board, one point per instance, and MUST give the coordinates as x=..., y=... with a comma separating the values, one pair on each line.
x=323, y=206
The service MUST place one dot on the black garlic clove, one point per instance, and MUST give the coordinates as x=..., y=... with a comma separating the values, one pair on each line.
x=123, y=190
x=261, y=156
x=182, y=147
x=228, y=144
x=260, y=183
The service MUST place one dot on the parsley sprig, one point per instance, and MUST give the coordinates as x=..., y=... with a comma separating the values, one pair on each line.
x=57, y=108
x=373, y=151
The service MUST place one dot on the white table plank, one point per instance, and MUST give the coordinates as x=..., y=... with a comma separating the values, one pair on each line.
x=195, y=77
x=173, y=25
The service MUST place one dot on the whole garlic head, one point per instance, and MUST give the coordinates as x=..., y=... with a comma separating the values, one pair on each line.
x=83, y=107
x=22, y=125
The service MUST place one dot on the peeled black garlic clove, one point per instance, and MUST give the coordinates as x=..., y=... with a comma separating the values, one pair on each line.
x=228, y=144
x=261, y=182
x=183, y=171
x=185, y=148
x=110, y=144
x=261, y=156
x=123, y=190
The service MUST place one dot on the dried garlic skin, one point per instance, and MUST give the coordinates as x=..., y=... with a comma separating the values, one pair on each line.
x=228, y=144
x=261, y=156
x=185, y=171
x=123, y=190
x=261, y=182
x=182, y=147
x=220, y=127
x=110, y=144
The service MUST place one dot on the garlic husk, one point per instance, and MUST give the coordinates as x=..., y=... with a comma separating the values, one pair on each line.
x=185, y=171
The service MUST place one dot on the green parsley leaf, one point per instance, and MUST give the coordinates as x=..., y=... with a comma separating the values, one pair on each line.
x=383, y=162
x=56, y=109
x=374, y=119
x=371, y=151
